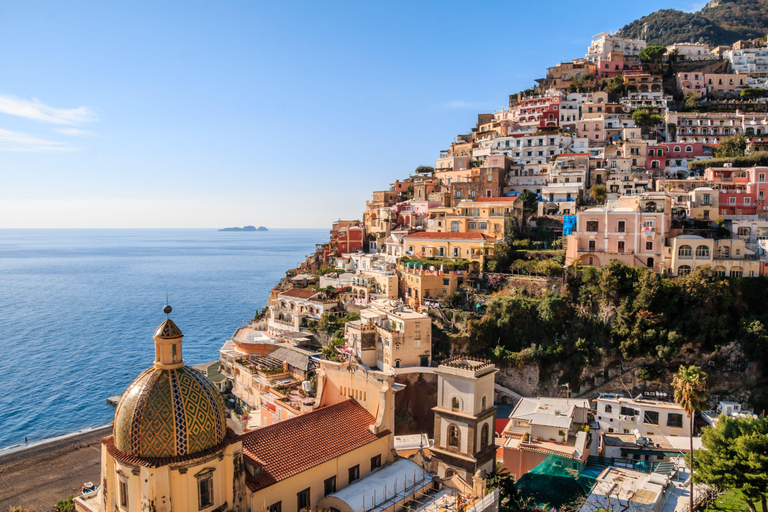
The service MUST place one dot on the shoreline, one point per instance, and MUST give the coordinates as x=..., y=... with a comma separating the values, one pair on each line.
x=21, y=447
x=60, y=466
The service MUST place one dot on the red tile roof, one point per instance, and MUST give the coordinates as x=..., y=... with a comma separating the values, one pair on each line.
x=299, y=293
x=287, y=448
x=445, y=236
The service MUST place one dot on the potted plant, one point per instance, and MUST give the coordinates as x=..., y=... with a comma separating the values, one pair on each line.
x=564, y=439
x=526, y=437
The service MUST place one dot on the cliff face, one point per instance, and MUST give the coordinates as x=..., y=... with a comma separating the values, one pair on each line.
x=720, y=22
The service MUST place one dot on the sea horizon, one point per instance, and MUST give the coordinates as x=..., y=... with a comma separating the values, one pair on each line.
x=80, y=306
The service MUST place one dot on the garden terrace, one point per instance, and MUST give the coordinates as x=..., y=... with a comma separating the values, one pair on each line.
x=266, y=366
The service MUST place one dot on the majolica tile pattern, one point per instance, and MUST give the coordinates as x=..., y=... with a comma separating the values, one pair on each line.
x=169, y=413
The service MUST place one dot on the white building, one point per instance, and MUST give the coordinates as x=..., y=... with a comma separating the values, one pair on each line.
x=615, y=413
x=690, y=51
x=750, y=61
x=605, y=43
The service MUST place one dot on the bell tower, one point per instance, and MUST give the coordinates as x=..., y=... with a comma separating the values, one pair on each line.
x=464, y=419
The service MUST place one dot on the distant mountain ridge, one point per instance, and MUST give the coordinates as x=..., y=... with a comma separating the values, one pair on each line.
x=720, y=22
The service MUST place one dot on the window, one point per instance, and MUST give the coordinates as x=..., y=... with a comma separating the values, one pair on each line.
x=651, y=418
x=743, y=232
x=688, y=149
x=441, y=251
x=608, y=408
x=205, y=490
x=455, y=252
x=731, y=200
x=453, y=436
x=302, y=499
x=736, y=272
x=683, y=270
x=621, y=246
x=455, y=404
x=592, y=226
x=675, y=420
x=482, y=403
x=123, y=494
x=702, y=251
x=484, y=436
x=685, y=251
x=454, y=227
x=330, y=486
x=761, y=177
x=375, y=462
x=649, y=246
x=354, y=473
x=592, y=245
x=275, y=507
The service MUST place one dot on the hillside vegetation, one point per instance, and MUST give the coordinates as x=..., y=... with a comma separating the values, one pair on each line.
x=720, y=22
x=630, y=313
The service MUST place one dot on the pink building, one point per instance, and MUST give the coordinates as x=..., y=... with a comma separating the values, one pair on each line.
x=691, y=81
x=633, y=232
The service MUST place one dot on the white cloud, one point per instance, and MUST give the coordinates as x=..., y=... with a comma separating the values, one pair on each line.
x=39, y=111
x=15, y=141
x=74, y=131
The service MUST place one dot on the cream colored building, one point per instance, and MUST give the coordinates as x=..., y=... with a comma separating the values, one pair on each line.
x=489, y=216
x=684, y=253
x=390, y=336
x=703, y=203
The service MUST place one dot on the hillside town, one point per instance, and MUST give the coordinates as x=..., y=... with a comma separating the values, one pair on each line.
x=360, y=386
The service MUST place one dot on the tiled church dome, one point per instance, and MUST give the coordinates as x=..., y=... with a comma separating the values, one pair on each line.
x=169, y=412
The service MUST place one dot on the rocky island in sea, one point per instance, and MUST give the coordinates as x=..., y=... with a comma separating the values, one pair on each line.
x=246, y=228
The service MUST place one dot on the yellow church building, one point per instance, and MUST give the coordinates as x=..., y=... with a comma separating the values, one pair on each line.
x=171, y=449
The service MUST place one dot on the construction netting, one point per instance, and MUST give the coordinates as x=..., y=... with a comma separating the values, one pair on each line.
x=555, y=482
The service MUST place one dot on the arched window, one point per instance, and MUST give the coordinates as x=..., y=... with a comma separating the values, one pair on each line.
x=397, y=346
x=683, y=270
x=685, y=251
x=736, y=272
x=455, y=405
x=655, y=164
x=676, y=149
x=483, y=403
x=484, y=436
x=397, y=363
x=689, y=149
x=453, y=436
x=702, y=251
x=719, y=271
x=608, y=408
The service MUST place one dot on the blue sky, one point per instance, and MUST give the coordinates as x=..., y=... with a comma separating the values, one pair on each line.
x=283, y=114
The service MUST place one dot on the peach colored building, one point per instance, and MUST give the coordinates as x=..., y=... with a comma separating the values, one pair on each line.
x=539, y=427
x=632, y=230
x=729, y=82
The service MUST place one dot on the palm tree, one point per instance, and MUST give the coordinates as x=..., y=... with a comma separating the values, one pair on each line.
x=689, y=386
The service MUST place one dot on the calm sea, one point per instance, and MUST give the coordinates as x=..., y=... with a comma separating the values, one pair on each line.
x=78, y=309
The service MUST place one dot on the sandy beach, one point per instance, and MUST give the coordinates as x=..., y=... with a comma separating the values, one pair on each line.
x=38, y=476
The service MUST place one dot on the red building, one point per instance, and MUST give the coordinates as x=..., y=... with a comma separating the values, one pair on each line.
x=540, y=111
x=741, y=191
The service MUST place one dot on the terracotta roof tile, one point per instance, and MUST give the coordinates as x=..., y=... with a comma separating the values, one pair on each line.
x=298, y=444
x=299, y=293
x=445, y=236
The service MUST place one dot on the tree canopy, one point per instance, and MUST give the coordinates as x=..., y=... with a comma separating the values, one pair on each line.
x=733, y=146
x=736, y=457
x=652, y=53
x=642, y=117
